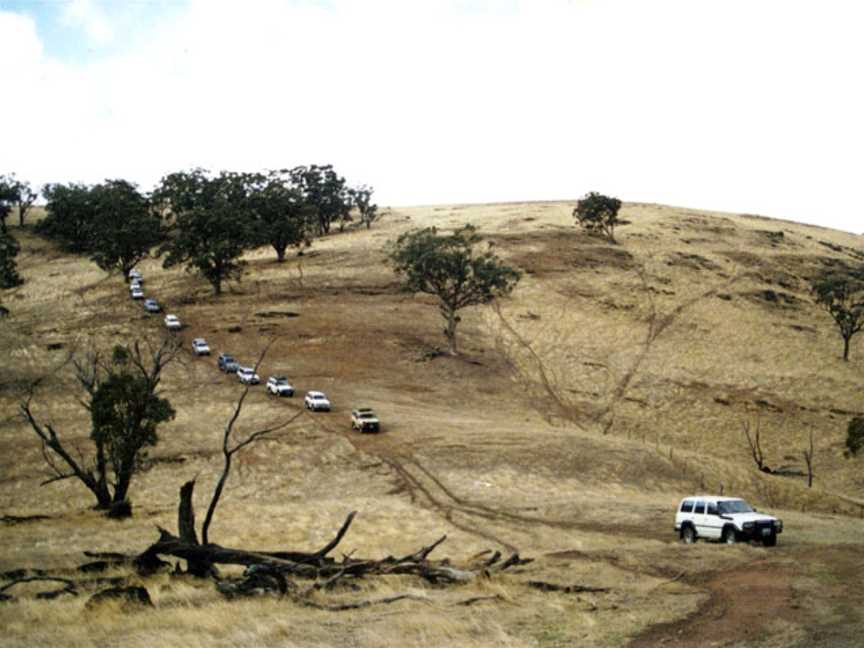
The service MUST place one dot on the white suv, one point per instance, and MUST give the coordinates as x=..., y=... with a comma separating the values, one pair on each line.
x=728, y=519
x=317, y=401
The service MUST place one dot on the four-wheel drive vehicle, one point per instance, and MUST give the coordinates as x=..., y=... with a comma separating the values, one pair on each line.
x=279, y=386
x=134, y=275
x=136, y=293
x=316, y=401
x=172, y=323
x=728, y=519
x=135, y=285
x=151, y=305
x=247, y=376
x=227, y=363
x=365, y=420
x=200, y=347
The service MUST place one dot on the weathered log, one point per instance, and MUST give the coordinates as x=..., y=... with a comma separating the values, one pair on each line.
x=186, y=528
x=357, y=605
x=565, y=589
x=128, y=596
x=186, y=514
x=69, y=587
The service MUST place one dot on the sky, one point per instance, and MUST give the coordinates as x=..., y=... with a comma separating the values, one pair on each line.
x=751, y=106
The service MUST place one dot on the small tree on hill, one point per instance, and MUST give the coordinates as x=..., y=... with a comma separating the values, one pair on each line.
x=9, y=249
x=125, y=411
x=325, y=192
x=842, y=296
x=212, y=223
x=26, y=197
x=126, y=226
x=8, y=198
x=362, y=199
x=855, y=435
x=450, y=267
x=598, y=214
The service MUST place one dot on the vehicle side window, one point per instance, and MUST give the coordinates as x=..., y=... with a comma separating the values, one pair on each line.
x=687, y=506
x=712, y=508
x=700, y=508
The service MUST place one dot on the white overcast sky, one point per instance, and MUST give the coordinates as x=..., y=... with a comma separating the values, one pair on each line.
x=750, y=106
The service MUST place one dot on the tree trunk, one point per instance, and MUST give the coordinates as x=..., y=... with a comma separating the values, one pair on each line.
x=217, y=286
x=280, y=252
x=124, y=479
x=450, y=331
x=846, y=340
x=186, y=528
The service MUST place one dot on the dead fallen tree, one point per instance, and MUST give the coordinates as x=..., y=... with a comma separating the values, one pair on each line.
x=275, y=571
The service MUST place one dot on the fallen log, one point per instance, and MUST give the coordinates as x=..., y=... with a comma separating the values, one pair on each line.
x=566, y=589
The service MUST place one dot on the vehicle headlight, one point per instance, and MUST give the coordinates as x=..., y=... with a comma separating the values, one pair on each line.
x=749, y=525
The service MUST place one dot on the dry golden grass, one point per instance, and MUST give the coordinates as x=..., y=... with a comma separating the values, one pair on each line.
x=613, y=382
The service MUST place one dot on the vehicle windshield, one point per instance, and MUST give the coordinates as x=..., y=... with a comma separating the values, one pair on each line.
x=368, y=415
x=280, y=381
x=734, y=506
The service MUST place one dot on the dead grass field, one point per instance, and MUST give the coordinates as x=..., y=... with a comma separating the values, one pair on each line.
x=614, y=381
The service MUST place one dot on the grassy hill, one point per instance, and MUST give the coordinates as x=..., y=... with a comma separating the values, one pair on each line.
x=614, y=381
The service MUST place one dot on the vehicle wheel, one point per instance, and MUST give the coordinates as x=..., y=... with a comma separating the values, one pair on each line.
x=688, y=535
x=728, y=536
x=771, y=540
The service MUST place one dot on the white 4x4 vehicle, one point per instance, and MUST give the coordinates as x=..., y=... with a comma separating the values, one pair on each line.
x=728, y=519
x=279, y=386
x=317, y=401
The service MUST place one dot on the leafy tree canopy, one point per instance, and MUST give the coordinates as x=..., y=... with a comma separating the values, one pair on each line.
x=70, y=217
x=212, y=223
x=451, y=267
x=282, y=217
x=841, y=295
x=361, y=198
x=598, y=214
x=126, y=226
x=855, y=435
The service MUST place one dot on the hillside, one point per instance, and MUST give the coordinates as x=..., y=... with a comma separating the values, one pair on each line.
x=615, y=380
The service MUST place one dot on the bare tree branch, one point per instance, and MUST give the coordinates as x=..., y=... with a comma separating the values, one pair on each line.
x=228, y=451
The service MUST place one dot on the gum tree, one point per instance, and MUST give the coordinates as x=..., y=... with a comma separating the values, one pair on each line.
x=454, y=268
x=125, y=406
x=126, y=227
x=598, y=214
x=212, y=223
x=842, y=297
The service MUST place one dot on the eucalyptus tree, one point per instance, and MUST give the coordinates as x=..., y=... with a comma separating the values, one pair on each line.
x=452, y=267
x=211, y=223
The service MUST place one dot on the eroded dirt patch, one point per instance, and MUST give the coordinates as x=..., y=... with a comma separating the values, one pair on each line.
x=741, y=604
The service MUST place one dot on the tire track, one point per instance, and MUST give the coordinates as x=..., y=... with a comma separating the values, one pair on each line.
x=427, y=489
